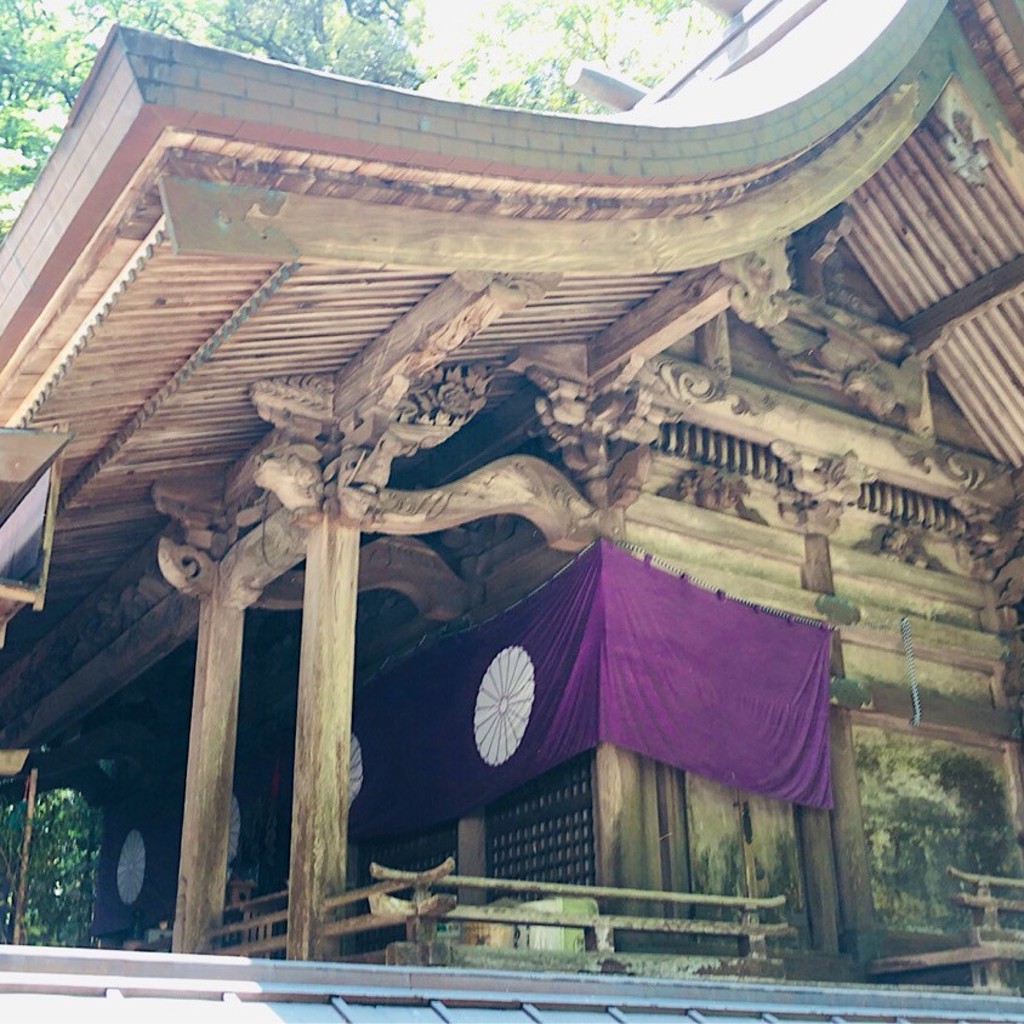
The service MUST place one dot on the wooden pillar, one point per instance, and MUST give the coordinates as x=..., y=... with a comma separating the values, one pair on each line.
x=857, y=910
x=626, y=839
x=471, y=855
x=833, y=845
x=322, y=732
x=210, y=772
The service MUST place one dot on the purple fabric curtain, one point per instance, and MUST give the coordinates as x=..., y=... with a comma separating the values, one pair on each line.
x=611, y=649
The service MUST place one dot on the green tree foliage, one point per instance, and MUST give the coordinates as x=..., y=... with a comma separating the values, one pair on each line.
x=519, y=56
x=48, y=46
x=62, y=867
x=367, y=39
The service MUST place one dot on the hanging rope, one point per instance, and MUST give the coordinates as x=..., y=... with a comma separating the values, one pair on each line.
x=908, y=654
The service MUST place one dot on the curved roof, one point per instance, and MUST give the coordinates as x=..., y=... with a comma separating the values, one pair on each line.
x=209, y=220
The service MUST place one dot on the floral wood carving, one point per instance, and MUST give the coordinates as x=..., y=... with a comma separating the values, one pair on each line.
x=602, y=435
x=312, y=458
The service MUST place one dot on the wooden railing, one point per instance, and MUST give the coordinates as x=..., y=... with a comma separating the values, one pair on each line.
x=992, y=944
x=256, y=927
x=260, y=927
x=601, y=927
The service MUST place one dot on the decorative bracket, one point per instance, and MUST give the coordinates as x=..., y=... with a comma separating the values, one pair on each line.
x=603, y=434
x=761, y=278
x=309, y=458
x=819, y=487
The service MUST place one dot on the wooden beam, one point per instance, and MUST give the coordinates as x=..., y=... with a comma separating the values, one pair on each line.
x=680, y=389
x=471, y=855
x=234, y=220
x=678, y=309
x=443, y=320
x=931, y=327
x=322, y=734
x=626, y=839
x=940, y=711
x=521, y=485
x=210, y=773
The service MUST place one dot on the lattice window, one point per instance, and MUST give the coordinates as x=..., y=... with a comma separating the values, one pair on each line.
x=544, y=831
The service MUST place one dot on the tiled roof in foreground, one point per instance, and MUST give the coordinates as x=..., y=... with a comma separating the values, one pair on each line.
x=97, y=985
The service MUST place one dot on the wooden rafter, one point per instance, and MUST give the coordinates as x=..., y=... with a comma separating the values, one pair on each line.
x=928, y=328
x=683, y=305
x=432, y=330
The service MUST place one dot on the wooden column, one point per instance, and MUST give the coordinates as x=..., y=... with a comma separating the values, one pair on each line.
x=856, y=907
x=471, y=855
x=626, y=837
x=833, y=846
x=210, y=773
x=322, y=732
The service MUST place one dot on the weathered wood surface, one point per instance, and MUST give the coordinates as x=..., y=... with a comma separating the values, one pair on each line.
x=931, y=325
x=856, y=908
x=746, y=926
x=604, y=926
x=626, y=847
x=678, y=309
x=987, y=881
x=767, y=415
x=523, y=887
x=444, y=320
x=253, y=933
x=209, y=773
x=235, y=220
x=815, y=824
x=319, y=836
x=403, y=564
x=520, y=485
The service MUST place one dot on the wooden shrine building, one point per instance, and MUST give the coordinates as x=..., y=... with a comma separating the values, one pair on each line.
x=347, y=368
